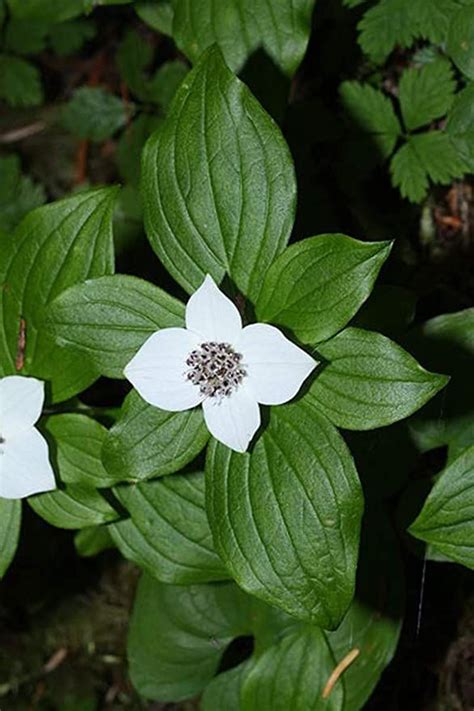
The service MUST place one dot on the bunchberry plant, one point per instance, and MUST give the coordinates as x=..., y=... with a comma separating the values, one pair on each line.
x=236, y=408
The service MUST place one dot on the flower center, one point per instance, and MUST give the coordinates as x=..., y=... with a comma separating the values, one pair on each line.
x=215, y=368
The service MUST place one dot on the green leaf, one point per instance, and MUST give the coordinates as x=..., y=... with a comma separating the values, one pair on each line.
x=74, y=507
x=90, y=541
x=148, y=442
x=25, y=37
x=77, y=447
x=223, y=692
x=133, y=56
x=89, y=5
x=177, y=636
x=69, y=37
x=460, y=45
x=438, y=156
x=10, y=522
x=316, y=286
x=371, y=113
x=165, y=83
x=55, y=246
x=432, y=18
x=448, y=339
x=399, y=22
x=369, y=381
x=408, y=173
x=426, y=54
x=20, y=82
x=172, y=540
x=109, y=319
x=461, y=437
x=130, y=146
x=446, y=344
x=94, y=114
x=18, y=194
x=426, y=155
x=299, y=470
x=385, y=25
x=446, y=520
x=308, y=662
x=132, y=545
x=128, y=220
x=426, y=94
x=11, y=173
x=371, y=625
x=28, y=195
x=158, y=14
x=45, y=10
x=239, y=27
x=212, y=205
x=460, y=125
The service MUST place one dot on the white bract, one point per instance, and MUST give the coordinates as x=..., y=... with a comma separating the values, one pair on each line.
x=24, y=463
x=216, y=361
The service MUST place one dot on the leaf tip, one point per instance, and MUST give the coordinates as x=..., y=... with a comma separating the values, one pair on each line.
x=440, y=381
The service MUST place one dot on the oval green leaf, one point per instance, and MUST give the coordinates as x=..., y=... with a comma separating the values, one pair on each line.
x=74, y=507
x=108, y=319
x=10, y=522
x=178, y=634
x=307, y=661
x=76, y=449
x=218, y=182
x=369, y=381
x=446, y=520
x=316, y=286
x=224, y=690
x=90, y=541
x=171, y=539
x=53, y=248
x=285, y=518
x=147, y=442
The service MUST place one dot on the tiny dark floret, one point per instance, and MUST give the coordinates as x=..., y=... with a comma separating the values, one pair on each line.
x=215, y=368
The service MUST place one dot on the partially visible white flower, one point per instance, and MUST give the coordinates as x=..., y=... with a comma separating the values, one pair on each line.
x=216, y=361
x=24, y=463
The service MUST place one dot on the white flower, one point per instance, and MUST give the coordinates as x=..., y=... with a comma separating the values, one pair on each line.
x=24, y=462
x=215, y=361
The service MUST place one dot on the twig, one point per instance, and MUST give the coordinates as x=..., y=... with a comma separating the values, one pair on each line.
x=19, y=134
x=55, y=661
x=83, y=147
x=341, y=667
x=81, y=162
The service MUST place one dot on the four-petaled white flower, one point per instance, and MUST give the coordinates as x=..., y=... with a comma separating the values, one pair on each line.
x=216, y=361
x=24, y=463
